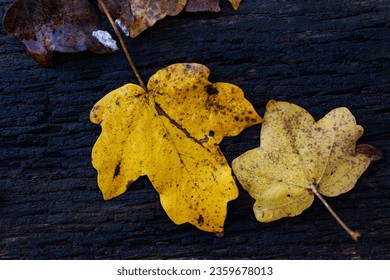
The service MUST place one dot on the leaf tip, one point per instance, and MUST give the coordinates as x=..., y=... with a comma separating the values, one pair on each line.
x=235, y=4
x=370, y=151
x=271, y=103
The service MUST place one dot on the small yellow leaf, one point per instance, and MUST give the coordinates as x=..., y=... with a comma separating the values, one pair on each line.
x=171, y=134
x=298, y=158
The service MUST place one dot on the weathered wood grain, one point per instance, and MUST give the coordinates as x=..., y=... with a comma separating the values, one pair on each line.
x=317, y=54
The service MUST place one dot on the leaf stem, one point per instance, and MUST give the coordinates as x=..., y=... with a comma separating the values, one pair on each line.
x=354, y=234
x=131, y=62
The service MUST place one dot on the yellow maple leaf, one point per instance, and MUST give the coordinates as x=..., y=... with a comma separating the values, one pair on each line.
x=299, y=158
x=171, y=134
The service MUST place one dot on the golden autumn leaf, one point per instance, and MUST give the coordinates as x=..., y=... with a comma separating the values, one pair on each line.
x=299, y=158
x=171, y=134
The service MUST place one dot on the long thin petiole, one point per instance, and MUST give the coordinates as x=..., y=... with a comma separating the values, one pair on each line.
x=131, y=62
x=354, y=234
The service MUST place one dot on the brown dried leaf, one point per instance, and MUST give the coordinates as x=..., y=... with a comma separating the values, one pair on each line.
x=202, y=6
x=48, y=26
x=138, y=15
x=66, y=26
x=148, y=12
x=208, y=5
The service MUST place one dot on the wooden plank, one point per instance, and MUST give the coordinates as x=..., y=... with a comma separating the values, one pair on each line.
x=317, y=54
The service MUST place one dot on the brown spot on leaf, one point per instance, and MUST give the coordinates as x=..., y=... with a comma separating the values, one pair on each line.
x=200, y=220
x=211, y=90
x=117, y=170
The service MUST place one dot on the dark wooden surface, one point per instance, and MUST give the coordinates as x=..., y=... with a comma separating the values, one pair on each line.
x=317, y=54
